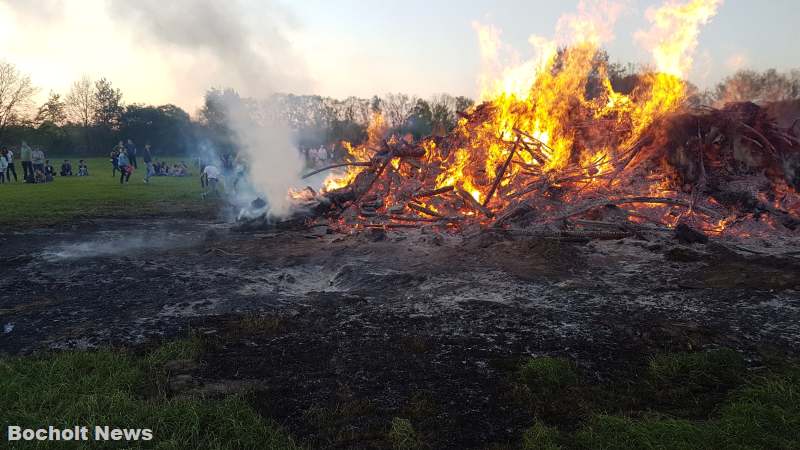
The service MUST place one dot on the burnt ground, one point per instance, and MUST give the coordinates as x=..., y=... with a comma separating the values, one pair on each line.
x=339, y=334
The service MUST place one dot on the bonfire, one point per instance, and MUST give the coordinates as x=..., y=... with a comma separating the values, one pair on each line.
x=570, y=155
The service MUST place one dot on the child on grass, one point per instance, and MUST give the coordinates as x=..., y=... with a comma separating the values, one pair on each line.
x=125, y=168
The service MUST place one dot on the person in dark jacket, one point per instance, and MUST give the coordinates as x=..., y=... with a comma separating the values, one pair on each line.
x=27, y=164
x=49, y=171
x=148, y=162
x=66, y=168
x=10, y=169
x=130, y=150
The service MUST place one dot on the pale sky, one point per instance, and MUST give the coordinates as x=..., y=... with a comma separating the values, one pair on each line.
x=337, y=48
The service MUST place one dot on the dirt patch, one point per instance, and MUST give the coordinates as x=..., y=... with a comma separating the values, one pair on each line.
x=337, y=335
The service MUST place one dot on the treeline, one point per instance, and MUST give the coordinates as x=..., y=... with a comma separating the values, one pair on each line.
x=93, y=115
x=318, y=120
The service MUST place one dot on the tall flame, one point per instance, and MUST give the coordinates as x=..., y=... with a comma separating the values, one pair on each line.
x=562, y=84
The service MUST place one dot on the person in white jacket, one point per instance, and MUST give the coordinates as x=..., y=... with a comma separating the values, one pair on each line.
x=10, y=170
x=3, y=167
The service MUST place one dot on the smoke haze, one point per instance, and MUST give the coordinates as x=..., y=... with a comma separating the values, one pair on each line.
x=260, y=63
x=256, y=54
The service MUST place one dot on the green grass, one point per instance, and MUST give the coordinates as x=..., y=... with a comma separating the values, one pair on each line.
x=702, y=400
x=717, y=367
x=547, y=373
x=124, y=389
x=99, y=195
x=120, y=389
x=540, y=437
x=403, y=436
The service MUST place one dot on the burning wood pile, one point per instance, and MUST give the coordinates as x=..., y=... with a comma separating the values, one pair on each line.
x=729, y=170
x=564, y=151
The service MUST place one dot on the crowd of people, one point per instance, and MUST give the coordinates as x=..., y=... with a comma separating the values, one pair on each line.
x=124, y=159
x=35, y=167
x=316, y=157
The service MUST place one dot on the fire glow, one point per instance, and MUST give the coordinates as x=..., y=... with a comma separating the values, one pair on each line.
x=542, y=147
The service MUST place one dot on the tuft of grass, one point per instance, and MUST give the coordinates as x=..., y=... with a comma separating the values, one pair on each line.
x=189, y=348
x=105, y=387
x=723, y=366
x=614, y=432
x=403, y=436
x=548, y=373
x=549, y=388
x=765, y=414
x=540, y=437
x=694, y=384
x=154, y=361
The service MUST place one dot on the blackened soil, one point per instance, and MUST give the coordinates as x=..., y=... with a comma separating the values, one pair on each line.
x=340, y=334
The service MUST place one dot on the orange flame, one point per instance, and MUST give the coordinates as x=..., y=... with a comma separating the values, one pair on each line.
x=538, y=99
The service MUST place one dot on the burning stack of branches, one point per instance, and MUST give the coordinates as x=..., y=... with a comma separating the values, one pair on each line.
x=572, y=154
x=714, y=169
x=558, y=148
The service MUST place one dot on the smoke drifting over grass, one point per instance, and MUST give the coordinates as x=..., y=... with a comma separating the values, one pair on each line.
x=257, y=59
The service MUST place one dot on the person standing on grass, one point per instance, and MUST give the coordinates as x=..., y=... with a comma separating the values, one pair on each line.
x=148, y=162
x=130, y=149
x=37, y=160
x=10, y=169
x=115, y=158
x=125, y=168
x=27, y=166
x=3, y=166
x=209, y=180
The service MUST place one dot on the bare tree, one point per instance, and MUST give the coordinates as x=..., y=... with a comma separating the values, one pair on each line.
x=397, y=108
x=759, y=87
x=16, y=92
x=81, y=106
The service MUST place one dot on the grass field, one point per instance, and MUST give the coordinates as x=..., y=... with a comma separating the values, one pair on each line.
x=703, y=400
x=99, y=195
x=119, y=388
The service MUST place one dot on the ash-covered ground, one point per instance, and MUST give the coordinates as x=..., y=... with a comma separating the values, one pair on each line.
x=374, y=325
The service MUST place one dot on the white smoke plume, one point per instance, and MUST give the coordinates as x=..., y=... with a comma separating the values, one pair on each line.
x=257, y=60
x=270, y=152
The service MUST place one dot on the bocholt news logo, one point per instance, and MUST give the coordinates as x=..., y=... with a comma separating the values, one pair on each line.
x=78, y=433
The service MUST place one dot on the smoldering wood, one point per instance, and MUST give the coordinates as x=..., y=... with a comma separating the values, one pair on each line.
x=424, y=210
x=433, y=192
x=473, y=204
